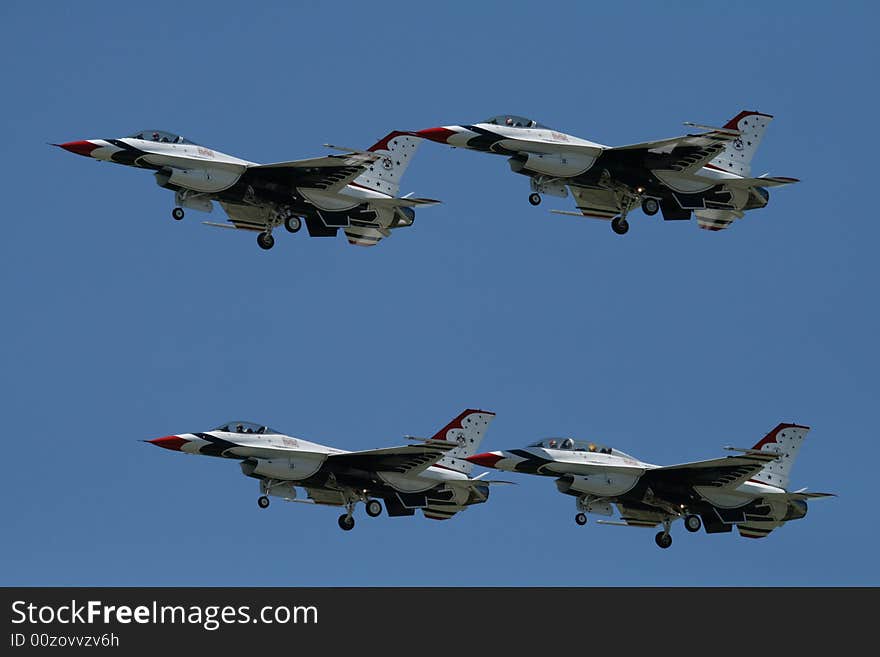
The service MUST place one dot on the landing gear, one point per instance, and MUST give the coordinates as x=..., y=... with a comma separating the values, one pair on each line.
x=265, y=240
x=535, y=199
x=177, y=214
x=692, y=523
x=650, y=206
x=581, y=519
x=663, y=539
x=263, y=502
x=619, y=225
x=374, y=508
x=292, y=224
x=346, y=522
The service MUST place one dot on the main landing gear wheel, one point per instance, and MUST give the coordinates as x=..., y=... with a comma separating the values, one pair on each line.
x=265, y=241
x=374, y=508
x=292, y=224
x=692, y=523
x=346, y=522
x=535, y=199
x=177, y=214
x=581, y=519
x=663, y=540
x=619, y=225
x=650, y=206
x=263, y=502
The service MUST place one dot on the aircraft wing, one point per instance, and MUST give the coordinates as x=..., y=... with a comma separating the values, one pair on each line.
x=725, y=472
x=330, y=173
x=687, y=154
x=406, y=460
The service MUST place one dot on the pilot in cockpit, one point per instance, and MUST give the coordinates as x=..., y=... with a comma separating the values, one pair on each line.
x=568, y=443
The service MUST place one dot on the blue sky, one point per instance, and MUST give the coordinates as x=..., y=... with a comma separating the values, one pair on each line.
x=121, y=324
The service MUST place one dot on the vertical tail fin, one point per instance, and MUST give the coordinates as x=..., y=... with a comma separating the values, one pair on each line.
x=786, y=439
x=468, y=430
x=737, y=155
x=384, y=175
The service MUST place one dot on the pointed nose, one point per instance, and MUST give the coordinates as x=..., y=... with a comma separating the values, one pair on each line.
x=81, y=147
x=486, y=459
x=174, y=443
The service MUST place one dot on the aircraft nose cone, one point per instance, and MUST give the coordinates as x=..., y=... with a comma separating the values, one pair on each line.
x=174, y=443
x=79, y=147
x=487, y=459
x=440, y=135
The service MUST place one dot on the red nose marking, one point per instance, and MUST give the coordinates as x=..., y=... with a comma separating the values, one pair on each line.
x=487, y=460
x=174, y=443
x=79, y=147
x=440, y=135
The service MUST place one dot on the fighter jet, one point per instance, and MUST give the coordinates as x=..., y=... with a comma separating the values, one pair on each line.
x=707, y=173
x=356, y=191
x=432, y=476
x=749, y=490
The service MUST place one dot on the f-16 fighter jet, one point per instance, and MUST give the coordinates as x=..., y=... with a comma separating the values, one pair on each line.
x=749, y=490
x=432, y=476
x=356, y=191
x=707, y=173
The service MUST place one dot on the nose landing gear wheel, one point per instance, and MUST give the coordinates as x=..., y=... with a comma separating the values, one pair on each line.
x=346, y=522
x=177, y=214
x=374, y=508
x=263, y=502
x=619, y=225
x=581, y=519
x=650, y=206
x=663, y=540
x=535, y=199
x=292, y=224
x=692, y=523
x=265, y=241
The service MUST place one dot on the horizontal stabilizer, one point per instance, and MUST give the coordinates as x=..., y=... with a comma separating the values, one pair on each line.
x=761, y=181
x=402, y=202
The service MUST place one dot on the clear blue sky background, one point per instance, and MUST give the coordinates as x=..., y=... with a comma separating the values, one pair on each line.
x=120, y=324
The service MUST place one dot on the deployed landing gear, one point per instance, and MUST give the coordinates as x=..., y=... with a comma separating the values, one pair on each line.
x=265, y=240
x=581, y=519
x=692, y=523
x=650, y=206
x=292, y=224
x=346, y=522
x=263, y=502
x=374, y=508
x=619, y=225
x=535, y=199
x=177, y=214
x=663, y=539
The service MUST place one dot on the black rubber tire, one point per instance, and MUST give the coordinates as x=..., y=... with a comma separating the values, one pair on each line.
x=346, y=522
x=177, y=214
x=581, y=519
x=619, y=226
x=663, y=540
x=292, y=224
x=263, y=502
x=535, y=199
x=692, y=523
x=265, y=241
x=650, y=206
x=374, y=508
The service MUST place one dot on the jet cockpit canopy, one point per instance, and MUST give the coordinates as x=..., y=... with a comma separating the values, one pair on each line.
x=161, y=136
x=572, y=444
x=245, y=427
x=513, y=121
